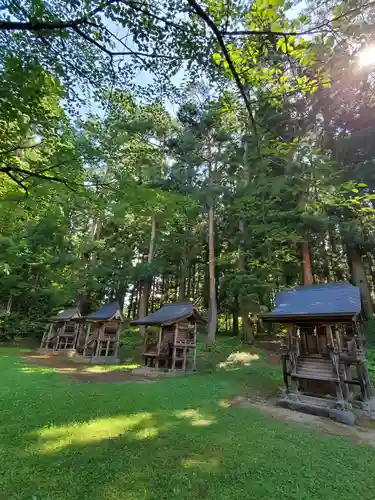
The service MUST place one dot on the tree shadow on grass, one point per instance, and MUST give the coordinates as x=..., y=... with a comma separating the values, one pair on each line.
x=61, y=441
x=221, y=455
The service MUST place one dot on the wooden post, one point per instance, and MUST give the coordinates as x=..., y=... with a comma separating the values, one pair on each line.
x=336, y=366
x=159, y=345
x=293, y=363
x=76, y=333
x=298, y=342
x=87, y=338
x=338, y=339
x=46, y=336
x=99, y=332
x=348, y=376
x=330, y=335
x=117, y=339
x=174, y=348
x=285, y=372
x=289, y=336
x=185, y=358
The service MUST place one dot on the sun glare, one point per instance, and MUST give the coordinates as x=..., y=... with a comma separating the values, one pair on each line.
x=367, y=57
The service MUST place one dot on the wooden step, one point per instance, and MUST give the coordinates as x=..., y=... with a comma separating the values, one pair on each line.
x=315, y=369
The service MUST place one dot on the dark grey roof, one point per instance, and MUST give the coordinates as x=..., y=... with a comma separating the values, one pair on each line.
x=107, y=311
x=170, y=313
x=66, y=315
x=326, y=300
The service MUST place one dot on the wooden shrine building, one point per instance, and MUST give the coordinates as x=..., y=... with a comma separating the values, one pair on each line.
x=61, y=332
x=99, y=336
x=323, y=353
x=172, y=346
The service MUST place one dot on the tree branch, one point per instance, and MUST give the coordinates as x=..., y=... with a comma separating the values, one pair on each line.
x=11, y=170
x=54, y=25
x=117, y=54
x=19, y=147
x=206, y=18
x=315, y=29
x=17, y=181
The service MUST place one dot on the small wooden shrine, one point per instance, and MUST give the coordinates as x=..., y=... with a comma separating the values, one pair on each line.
x=99, y=336
x=173, y=345
x=323, y=353
x=61, y=332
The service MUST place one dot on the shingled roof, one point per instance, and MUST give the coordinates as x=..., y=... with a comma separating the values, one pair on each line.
x=105, y=312
x=169, y=313
x=326, y=301
x=66, y=315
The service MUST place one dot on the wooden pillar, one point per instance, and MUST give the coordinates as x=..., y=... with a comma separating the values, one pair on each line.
x=293, y=356
x=338, y=339
x=100, y=330
x=87, y=338
x=330, y=335
x=289, y=336
x=57, y=337
x=298, y=342
x=174, y=348
x=185, y=358
x=46, y=336
x=336, y=368
x=285, y=371
x=159, y=345
x=76, y=333
x=117, y=339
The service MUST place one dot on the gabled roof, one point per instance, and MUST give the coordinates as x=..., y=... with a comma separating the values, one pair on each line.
x=329, y=300
x=67, y=315
x=169, y=313
x=106, y=312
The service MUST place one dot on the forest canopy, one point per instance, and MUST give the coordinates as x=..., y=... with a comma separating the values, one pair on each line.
x=213, y=151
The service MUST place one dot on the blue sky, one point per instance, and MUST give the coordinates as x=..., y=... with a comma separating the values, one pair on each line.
x=143, y=78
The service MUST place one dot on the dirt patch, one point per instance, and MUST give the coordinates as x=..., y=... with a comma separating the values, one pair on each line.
x=273, y=358
x=79, y=373
x=360, y=435
x=106, y=377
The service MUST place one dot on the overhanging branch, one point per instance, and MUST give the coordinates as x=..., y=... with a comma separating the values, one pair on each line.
x=54, y=25
x=206, y=18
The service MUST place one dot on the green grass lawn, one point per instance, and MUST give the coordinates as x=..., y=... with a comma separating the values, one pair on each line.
x=170, y=439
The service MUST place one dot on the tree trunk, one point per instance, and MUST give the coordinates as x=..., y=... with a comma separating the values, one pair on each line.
x=326, y=266
x=131, y=300
x=337, y=271
x=182, y=284
x=372, y=269
x=9, y=303
x=120, y=296
x=212, y=310
x=359, y=278
x=235, y=322
x=306, y=262
x=153, y=286
x=136, y=301
x=247, y=326
x=189, y=281
x=145, y=294
x=83, y=303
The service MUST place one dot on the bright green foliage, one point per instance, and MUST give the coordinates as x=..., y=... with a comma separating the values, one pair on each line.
x=290, y=164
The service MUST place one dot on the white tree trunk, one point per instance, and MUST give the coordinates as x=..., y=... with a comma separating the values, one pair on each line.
x=212, y=312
